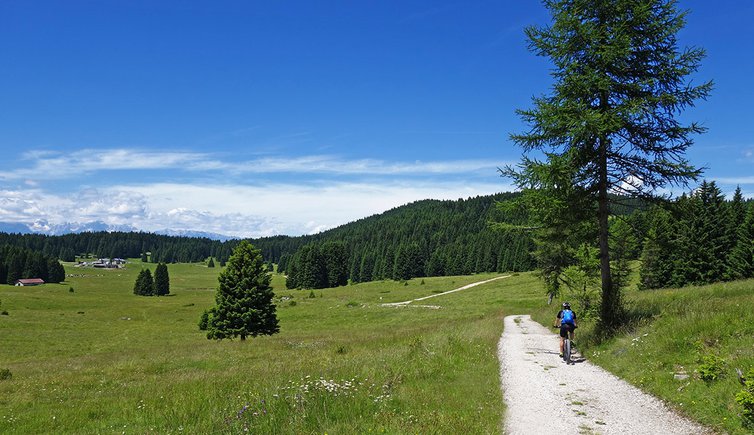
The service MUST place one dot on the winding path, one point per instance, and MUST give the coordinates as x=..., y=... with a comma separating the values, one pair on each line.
x=467, y=286
x=545, y=396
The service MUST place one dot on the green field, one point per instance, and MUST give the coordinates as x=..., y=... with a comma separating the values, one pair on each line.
x=102, y=360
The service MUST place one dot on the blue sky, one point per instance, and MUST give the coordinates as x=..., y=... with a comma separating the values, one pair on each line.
x=255, y=118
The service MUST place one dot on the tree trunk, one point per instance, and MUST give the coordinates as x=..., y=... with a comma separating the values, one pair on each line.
x=610, y=296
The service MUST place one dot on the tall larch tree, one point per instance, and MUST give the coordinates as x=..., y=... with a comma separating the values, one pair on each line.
x=611, y=120
x=244, y=298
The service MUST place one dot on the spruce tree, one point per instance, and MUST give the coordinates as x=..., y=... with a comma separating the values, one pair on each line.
x=144, y=285
x=610, y=124
x=15, y=268
x=161, y=280
x=244, y=298
x=656, y=257
x=741, y=264
x=55, y=271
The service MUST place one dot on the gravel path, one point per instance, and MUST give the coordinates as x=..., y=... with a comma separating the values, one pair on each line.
x=546, y=396
x=467, y=286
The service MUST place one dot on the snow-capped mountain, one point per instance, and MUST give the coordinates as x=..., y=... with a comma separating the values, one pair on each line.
x=44, y=227
x=190, y=233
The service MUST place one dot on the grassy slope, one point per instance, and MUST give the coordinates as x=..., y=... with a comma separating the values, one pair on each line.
x=101, y=360
x=674, y=330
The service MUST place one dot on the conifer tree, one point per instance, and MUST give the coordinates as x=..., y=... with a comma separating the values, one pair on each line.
x=144, y=285
x=656, y=257
x=55, y=271
x=244, y=298
x=161, y=280
x=610, y=124
x=211, y=262
x=741, y=263
x=15, y=268
x=335, y=260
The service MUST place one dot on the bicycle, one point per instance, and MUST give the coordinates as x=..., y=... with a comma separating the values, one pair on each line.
x=566, y=346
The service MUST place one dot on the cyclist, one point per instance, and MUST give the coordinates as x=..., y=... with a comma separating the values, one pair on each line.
x=566, y=320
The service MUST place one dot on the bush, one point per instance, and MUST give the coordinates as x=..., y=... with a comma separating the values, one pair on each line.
x=204, y=321
x=712, y=368
x=5, y=374
x=70, y=289
x=745, y=398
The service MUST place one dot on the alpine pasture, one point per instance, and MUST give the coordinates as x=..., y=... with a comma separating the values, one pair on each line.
x=103, y=360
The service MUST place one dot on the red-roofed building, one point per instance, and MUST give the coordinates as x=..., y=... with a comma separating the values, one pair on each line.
x=29, y=281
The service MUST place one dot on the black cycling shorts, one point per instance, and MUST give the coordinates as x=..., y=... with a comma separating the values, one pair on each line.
x=565, y=328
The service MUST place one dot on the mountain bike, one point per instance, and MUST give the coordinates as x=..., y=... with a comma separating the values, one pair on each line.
x=567, y=346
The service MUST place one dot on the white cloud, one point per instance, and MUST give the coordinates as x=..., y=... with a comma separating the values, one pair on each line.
x=248, y=211
x=240, y=204
x=734, y=180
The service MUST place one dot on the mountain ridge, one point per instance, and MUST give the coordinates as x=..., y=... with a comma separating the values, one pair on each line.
x=46, y=228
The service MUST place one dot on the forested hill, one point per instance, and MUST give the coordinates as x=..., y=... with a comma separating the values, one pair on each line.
x=167, y=249
x=424, y=238
x=428, y=237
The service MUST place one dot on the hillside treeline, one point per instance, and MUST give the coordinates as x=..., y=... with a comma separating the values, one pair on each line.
x=425, y=238
x=700, y=239
x=20, y=263
x=162, y=249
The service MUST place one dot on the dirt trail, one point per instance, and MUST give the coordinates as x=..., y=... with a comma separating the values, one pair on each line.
x=543, y=395
x=467, y=286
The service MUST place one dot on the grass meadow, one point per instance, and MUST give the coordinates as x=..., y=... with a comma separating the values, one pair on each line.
x=102, y=360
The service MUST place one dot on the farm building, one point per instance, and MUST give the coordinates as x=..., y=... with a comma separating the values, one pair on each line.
x=29, y=281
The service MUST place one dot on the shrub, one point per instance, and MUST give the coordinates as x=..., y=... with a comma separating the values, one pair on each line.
x=292, y=303
x=70, y=290
x=712, y=368
x=745, y=398
x=4, y=313
x=5, y=374
x=204, y=321
x=311, y=294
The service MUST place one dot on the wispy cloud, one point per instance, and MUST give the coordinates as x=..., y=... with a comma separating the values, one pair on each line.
x=734, y=180
x=57, y=165
x=54, y=165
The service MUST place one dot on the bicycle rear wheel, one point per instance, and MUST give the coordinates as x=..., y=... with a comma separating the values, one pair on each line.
x=567, y=351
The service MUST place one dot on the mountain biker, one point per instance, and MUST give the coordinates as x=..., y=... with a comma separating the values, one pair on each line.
x=566, y=320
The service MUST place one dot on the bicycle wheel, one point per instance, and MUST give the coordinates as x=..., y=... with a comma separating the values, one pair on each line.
x=567, y=351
